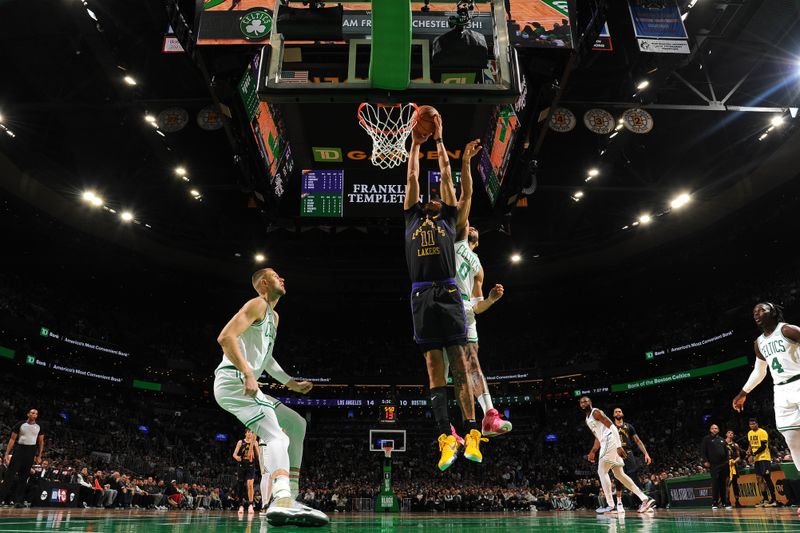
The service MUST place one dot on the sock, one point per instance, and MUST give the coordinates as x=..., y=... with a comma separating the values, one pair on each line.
x=485, y=401
x=266, y=489
x=469, y=425
x=294, y=481
x=280, y=487
x=620, y=474
x=439, y=408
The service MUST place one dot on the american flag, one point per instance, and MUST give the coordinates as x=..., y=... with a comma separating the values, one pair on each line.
x=294, y=76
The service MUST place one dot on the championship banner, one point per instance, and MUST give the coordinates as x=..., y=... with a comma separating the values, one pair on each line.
x=658, y=26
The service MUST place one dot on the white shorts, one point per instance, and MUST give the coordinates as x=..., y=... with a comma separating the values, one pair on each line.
x=256, y=413
x=787, y=406
x=608, y=450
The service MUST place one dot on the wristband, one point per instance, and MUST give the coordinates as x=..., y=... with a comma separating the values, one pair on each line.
x=438, y=141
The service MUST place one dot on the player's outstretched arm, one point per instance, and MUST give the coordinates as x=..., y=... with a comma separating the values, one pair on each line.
x=253, y=311
x=641, y=446
x=412, y=173
x=446, y=185
x=756, y=377
x=236, y=452
x=465, y=200
x=479, y=305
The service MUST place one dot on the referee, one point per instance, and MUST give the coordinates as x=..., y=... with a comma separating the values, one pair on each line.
x=27, y=444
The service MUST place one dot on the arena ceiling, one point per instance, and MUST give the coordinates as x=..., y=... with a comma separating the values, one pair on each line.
x=78, y=126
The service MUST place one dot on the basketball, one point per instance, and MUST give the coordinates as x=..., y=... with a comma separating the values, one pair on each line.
x=425, y=124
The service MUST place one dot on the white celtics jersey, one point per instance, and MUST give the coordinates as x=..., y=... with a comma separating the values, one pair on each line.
x=782, y=355
x=256, y=344
x=595, y=426
x=467, y=267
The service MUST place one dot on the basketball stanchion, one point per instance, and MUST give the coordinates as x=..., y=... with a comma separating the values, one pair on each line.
x=387, y=501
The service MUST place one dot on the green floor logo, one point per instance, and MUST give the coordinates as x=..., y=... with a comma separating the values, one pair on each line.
x=256, y=25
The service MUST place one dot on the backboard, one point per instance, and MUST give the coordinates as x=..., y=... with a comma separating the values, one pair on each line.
x=377, y=437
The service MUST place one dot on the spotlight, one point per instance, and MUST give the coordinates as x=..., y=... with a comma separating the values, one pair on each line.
x=126, y=216
x=516, y=258
x=259, y=258
x=643, y=85
x=593, y=172
x=180, y=171
x=1, y=119
x=763, y=136
x=579, y=194
x=680, y=201
x=777, y=121
x=613, y=134
x=636, y=223
x=150, y=118
x=129, y=80
x=92, y=198
x=195, y=193
x=619, y=127
x=645, y=219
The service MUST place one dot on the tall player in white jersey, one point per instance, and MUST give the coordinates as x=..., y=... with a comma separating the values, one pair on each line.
x=777, y=349
x=611, y=458
x=469, y=279
x=247, y=342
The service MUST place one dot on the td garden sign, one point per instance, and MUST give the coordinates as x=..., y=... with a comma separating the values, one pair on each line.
x=332, y=154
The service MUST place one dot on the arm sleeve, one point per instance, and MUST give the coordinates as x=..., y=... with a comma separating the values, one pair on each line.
x=275, y=370
x=761, y=448
x=757, y=376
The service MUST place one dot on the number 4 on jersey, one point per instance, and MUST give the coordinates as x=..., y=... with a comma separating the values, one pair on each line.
x=776, y=365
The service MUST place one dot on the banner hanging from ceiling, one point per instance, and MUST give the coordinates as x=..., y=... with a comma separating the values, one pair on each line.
x=658, y=26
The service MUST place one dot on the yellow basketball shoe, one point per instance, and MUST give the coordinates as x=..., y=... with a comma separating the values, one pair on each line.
x=449, y=448
x=473, y=447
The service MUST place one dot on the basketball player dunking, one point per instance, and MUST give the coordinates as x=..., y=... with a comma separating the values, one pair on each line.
x=469, y=278
x=611, y=458
x=777, y=349
x=437, y=311
x=247, y=342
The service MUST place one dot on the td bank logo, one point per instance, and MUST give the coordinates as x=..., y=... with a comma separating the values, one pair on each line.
x=255, y=25
x=325, y=154
x=44, y=332
x=30, y=359
x=649, y=356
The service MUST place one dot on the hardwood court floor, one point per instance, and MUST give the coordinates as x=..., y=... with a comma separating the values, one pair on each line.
x=683, y=521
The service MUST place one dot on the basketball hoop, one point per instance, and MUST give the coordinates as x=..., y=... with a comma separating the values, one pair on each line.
x=387, y=450
x=389, y=126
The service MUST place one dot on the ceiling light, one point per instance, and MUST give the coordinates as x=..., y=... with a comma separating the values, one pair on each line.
x=195, y=193
x=777, y=121
x=593, y=172
x=150, y=118
x=680, y=201
x=763, y=136
x=588, y=179
x=516, y=258
x=613, y=135
x=126, y=216
x=575, y=199
x=10, y=133
x=619, y=127
x=259, y=258
x=180, y=171
x=625, y=227
x=129, y=80
x=1, y=118
x=579, y=194
x=185, y=178
x=643, y=85
x=636, y=223
x=160, y=133
x=645, y=219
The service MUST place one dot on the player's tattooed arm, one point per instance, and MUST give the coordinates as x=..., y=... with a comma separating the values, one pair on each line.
x=253, y=311
x=465, y=200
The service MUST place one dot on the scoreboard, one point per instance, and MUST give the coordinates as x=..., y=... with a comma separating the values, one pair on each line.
x=321, y=193
x=387, y=412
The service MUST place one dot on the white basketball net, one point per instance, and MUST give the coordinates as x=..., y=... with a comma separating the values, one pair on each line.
x=389, y=127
